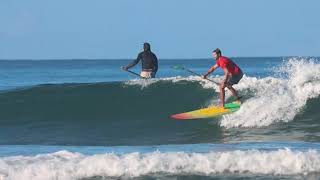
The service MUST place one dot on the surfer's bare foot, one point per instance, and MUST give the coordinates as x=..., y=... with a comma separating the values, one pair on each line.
x=238, y=100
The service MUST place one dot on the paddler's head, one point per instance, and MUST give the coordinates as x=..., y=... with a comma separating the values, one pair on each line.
x=146, y=47
x=216, y=53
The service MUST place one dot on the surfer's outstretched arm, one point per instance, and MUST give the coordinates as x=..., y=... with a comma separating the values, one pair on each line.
x=210, y=71
x=133, y=63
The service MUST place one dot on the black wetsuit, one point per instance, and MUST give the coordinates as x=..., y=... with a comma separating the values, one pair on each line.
x=149, y=61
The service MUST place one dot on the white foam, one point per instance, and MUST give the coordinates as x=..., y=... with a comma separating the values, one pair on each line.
x=277, y=99
x=66, y=165
x=147, y=82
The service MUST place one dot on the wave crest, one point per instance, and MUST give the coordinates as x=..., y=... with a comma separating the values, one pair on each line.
x=277, y=99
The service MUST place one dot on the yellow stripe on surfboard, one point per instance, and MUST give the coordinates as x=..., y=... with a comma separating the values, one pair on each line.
x=211, y=111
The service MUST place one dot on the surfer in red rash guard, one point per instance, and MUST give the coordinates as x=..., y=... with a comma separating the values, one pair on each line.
x=232, y=74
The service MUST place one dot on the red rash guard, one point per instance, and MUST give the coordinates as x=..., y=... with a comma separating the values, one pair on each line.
x=225, y=62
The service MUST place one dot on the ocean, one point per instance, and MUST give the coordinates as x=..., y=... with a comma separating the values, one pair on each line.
x=89, y=120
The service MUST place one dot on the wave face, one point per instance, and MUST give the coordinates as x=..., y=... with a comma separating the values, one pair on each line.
x=283, y=106
x=98, y=113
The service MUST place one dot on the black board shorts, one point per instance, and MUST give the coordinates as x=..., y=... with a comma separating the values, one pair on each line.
x=235, y=79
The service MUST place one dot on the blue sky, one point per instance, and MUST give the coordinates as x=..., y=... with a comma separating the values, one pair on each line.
x=114, y=29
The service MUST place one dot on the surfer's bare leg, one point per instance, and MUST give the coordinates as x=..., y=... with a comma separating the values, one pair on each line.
x=222, y=94
x=234, y=92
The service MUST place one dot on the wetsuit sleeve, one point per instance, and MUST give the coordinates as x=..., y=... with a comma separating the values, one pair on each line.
x=136, y=61
x=155, y=63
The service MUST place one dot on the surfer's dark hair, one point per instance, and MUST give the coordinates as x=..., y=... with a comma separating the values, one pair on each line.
x=217, y=51
x=146, y=46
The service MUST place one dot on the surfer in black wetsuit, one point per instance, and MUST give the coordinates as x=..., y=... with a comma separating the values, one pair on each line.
x=149, y=62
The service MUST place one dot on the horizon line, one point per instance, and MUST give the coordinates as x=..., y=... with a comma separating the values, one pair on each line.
x=79, y=59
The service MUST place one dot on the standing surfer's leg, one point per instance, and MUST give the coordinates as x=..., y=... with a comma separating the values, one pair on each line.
x=234, y=79
x=222, y=95
x=234, y=93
